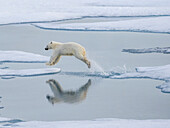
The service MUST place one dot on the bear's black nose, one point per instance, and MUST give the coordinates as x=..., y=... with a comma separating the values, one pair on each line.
x=48, y=97
x=46, y=48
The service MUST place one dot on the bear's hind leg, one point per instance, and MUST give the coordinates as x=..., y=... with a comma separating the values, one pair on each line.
x=87, y=62
x=84, y=59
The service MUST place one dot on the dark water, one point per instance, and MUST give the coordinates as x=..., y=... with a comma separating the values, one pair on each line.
x=71, y=95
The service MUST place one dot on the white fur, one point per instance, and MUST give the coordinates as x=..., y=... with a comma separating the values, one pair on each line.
x=67, y=49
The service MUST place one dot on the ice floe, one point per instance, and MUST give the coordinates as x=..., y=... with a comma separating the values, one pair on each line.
x=130, y=3
x=164, y=50
x=154, y=25
x=157, y=73
x=8, y=73
x=165, y=87
x=54, y=11
x=21, y=57
x=98, y=123
x=58, y=10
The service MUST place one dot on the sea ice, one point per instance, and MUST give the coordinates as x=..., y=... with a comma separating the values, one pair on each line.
x=54, y=11
x=8, y=73
x=158, y=73
x=154, y=25
x=98, y=123
x=21, y=57
x=165, y=87
x=164, y=50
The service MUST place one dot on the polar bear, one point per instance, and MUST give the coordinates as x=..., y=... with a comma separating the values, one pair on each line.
x=66, y=49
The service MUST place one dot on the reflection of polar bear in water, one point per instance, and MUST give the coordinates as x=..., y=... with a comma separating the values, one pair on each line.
x=67, y=96
x=66, y=49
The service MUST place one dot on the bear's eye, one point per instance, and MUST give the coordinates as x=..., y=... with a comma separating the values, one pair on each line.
x=51, y=42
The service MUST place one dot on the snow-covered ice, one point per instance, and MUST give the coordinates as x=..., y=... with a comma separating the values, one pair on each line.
x=22, y=57
x=164, y=50
x=157, y=73
x=51, y=12
x=165, y=87
x=154, y=25
x=16, y=11
x=8, y=73
x=98, y=123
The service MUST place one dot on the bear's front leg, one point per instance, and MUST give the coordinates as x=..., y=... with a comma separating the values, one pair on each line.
x=52, y=60
x=49, y=64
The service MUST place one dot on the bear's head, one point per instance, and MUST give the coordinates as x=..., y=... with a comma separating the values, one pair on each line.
x=51, y=45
